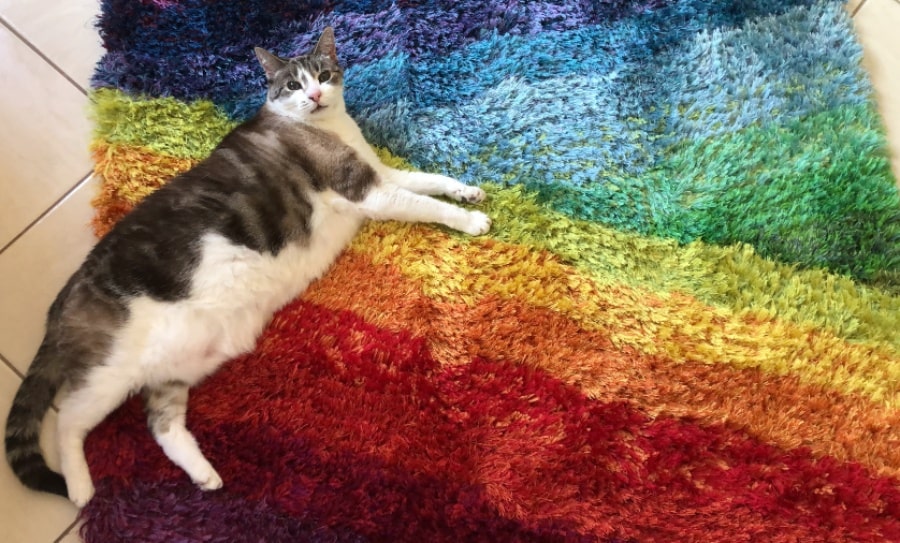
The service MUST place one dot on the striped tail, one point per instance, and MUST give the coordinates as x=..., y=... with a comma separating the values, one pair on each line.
x=23, y=426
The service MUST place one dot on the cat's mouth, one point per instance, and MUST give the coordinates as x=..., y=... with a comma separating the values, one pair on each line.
x=318, y=107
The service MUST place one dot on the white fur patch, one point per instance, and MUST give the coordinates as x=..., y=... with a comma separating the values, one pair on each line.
x=300, y=107
x=235, y=291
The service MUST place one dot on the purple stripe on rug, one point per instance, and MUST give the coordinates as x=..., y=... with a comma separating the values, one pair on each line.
x=382, y=504
x=169, y=511
x=193, y=50
x=436, y=26
x=180, y=52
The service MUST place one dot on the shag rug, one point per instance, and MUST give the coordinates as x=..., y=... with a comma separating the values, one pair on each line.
x=683, y=326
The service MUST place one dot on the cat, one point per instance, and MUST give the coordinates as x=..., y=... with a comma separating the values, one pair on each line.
x=190, y=277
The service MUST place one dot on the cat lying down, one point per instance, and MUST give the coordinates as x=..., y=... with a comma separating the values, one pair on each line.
x=190, y=277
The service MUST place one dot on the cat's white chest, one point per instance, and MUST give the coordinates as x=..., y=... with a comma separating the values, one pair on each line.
x=345, y=128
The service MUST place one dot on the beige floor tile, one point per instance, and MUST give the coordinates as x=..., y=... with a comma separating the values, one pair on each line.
x=27, y=516
x=34, y=269
x=63, y=31
x=44, y=143
x=877, y=23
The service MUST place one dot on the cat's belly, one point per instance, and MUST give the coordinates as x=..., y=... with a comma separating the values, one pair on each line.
x=235, y=291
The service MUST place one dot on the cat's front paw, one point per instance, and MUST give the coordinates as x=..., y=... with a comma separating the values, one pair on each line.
x=465, y=193
x=211, y=481
x=478, y=224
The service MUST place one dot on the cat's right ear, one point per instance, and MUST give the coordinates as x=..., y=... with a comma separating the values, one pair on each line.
x=270, y=63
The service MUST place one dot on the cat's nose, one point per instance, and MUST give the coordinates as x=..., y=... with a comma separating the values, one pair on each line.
x=314, y=94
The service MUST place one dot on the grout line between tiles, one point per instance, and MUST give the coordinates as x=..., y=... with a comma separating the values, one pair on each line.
x=11, y=366
x=15, y=370
x=66, y=532
x=859, y=7
x=47, y=211
x=41, y=54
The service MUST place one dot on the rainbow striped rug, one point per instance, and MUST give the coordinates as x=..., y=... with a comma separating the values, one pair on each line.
x=684, y=326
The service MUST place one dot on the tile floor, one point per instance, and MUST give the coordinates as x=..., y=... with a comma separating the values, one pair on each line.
x=47, y=53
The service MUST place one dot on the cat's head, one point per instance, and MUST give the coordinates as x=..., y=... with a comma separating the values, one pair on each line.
x=307, y=87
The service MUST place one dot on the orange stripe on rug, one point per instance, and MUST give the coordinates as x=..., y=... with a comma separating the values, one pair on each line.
x=128, y=174
x=776, y=408
x=461, y=270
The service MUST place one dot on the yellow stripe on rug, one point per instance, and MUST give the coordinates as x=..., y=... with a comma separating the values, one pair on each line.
x=674, y=325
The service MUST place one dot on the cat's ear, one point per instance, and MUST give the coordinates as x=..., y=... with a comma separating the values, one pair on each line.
x=326, y=45
x=270, y=63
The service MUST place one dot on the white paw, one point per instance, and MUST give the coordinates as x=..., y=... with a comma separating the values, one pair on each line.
x=211, y=482
x=478, y=224
x=81, y=490
x=339, y=203
x=468, y=194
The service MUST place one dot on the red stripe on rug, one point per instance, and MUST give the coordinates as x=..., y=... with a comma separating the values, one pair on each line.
x=775, y=408
x=364, y=429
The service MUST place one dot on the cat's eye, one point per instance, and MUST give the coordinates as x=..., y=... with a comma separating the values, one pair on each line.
x=293, y=85
x=324, y=76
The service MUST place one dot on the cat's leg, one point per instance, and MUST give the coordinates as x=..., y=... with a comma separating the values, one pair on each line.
x=95, y=396
x=166, y=409
x=390, y=202
x=433, y=184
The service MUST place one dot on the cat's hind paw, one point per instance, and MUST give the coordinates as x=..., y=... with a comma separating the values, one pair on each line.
x=81, y=490
x=478, y=224
x=465, y=193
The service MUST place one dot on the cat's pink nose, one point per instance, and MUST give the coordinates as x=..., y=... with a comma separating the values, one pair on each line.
x=314, y=94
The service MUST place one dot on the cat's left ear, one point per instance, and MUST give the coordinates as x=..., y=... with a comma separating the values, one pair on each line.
x=270, y=63
x=326, y=45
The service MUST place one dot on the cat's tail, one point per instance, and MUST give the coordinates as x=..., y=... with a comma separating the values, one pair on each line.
x=23, y=426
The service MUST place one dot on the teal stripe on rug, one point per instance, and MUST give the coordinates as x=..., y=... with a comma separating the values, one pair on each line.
x=690, y=144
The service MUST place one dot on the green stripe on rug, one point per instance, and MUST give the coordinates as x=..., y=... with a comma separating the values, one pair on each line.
x=733, y=276
x=735, y=189
x=162, y=125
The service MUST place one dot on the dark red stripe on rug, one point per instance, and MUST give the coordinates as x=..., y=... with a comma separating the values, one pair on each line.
x=367, y=437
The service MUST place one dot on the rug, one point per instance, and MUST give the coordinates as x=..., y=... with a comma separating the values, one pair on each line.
x=682, y=327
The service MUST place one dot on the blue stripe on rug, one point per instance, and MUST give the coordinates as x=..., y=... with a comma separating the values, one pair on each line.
x=620, y=120
x=198, y=49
